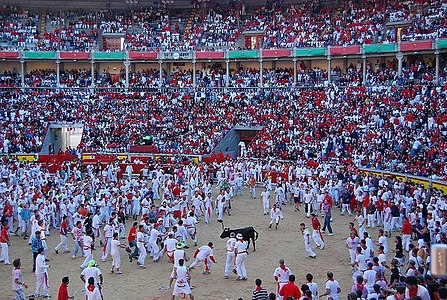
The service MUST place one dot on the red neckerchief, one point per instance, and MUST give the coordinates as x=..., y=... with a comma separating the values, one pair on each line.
x=360, y=286
x=283, y=267
x=258, y=288
x=413, y=292
x=91, y=288
x=330, y=279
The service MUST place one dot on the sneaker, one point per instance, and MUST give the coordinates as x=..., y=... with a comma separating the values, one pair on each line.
x=74, y=257
x=57, y=252
x=119, y=273
x=244, y=279
x=206, y=273
x=312, y=256
x=330, y=234
x=143, y=266
x=68, y=251
x=234, y=271
x=226, y=277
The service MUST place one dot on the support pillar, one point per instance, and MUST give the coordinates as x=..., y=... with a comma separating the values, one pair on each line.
x=22, y=73
x=58, y=74
x=126, y=65
x=329, y=68
x=93, y=71
x=437, y=67
x=294, y=71
x=227, y=73
x=364, y=69
x=261, y=67
x=160, y=76
x=400, y=57
x=194, y=73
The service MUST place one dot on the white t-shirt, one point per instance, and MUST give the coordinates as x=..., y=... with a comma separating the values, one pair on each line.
x=282, y=274
x=91, y=272
x=383, y=242
x=370, y=277
x=115, y=247
x=360, y=259
x=205, y=251
x=333, y=287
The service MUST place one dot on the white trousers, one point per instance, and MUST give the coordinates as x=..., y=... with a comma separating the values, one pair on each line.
x=240, y=265
x=62, y=244
x=229, y=262
x=5, y=253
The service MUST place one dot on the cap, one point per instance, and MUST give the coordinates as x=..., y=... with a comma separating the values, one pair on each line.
x=91, y=263
x=179, y=245
x=239, y=236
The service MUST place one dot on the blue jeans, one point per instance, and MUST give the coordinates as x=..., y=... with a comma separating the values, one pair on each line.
x=327, y=223
x=134, y=244
x=76, y=248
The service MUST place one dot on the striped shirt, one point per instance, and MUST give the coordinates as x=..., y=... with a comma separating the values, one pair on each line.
x=260, y=295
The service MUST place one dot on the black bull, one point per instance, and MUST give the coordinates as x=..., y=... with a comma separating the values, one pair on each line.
x=247, y=233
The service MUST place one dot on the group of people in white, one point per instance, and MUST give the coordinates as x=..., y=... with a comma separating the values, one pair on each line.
x=167, y=207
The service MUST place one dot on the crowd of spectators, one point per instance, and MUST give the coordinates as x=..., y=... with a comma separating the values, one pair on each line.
x=310, y=24
x=381, y=127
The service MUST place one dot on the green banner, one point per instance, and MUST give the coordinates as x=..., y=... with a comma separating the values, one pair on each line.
x=244, y=54
x=39, y=55
x=309, y=52
x=380, y=48
x=109, y=55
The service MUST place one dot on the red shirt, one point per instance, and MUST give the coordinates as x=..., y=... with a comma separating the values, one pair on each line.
x=406, y=228
x=290, y=290
x=4, y=238
x=132, y=234
x=316, y=224
x=64, y=228
x=63, y=292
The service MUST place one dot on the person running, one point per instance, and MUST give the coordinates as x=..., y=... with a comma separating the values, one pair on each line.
x=275, y=216
x=306, y=235
x=63, y=234
x=316, y=233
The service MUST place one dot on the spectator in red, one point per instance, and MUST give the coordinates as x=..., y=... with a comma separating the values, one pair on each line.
x=290, y=289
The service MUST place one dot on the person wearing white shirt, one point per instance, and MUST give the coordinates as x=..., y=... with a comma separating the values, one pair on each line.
x=415, y=289
x=275, y=216
x=141, y=246
x=241, y=257
x=370, y=278
x=382, y=241
x=87, y=242
x=115, y=253
x=332, y=287
x=153, y=238
x=42, y=275
x=265, y=196
x=281, y=276
x=205, y=254
x=108, y=235
x=231, y=253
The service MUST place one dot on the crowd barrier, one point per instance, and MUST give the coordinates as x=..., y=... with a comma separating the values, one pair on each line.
x=427, y=182
x=54, y=163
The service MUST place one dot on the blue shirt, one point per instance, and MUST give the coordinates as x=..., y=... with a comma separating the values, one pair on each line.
x=36, y=244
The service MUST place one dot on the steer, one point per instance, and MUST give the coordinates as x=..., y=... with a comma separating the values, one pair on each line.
x=247, y=233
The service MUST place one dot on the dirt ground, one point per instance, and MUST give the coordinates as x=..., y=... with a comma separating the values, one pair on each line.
x=136, y=283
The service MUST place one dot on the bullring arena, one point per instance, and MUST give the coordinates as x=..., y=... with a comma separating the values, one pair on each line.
x=222, y=114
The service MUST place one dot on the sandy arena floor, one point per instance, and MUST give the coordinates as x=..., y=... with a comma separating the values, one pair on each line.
x=136, y=283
